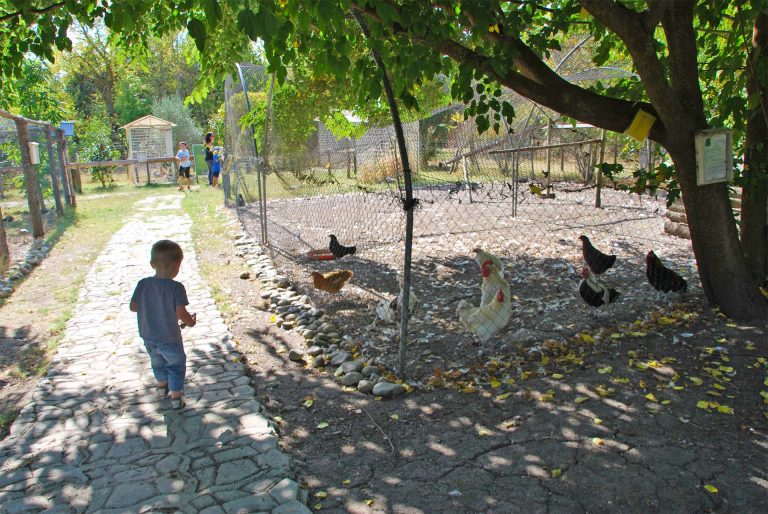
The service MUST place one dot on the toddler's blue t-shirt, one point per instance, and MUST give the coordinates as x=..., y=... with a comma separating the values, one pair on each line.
x=156, y=301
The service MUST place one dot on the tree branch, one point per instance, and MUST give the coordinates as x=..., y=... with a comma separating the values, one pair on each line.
x=40, y=10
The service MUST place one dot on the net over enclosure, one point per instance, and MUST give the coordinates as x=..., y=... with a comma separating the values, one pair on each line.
x=525, y=194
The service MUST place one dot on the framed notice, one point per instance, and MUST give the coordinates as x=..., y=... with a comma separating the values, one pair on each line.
x=714, y=156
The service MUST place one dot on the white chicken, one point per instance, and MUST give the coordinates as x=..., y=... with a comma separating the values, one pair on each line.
x=389, y=310
x=486, y=320
x=493, y=280
x=481, y=256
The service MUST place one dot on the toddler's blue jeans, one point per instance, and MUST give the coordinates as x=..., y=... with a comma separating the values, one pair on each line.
x=169, y=363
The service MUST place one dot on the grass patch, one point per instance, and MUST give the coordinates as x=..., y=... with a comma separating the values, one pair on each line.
x=212, y=244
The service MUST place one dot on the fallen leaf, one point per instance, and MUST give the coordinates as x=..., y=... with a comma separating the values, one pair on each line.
x=556, y=376
x=696, y=380
x=495, y=383
x=604, y=370
x=322, y=425
x=321, y=494
x=308, y=402
x=598, y=421
x=503, y=396
x=369, y=502
x=702, y=404
x=587, y=338
x=598, y=441
x=347, y=482
x=556, y=472
x=318, y=506
x=581, y=399
x=394, y=416
x=712, y=489
x=724, y=409
x=651, y=397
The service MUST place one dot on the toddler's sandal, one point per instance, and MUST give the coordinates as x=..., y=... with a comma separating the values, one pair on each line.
x=178, y=403
x=162, y=391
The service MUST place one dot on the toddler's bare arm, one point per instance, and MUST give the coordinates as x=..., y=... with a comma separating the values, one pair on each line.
x=185, y=317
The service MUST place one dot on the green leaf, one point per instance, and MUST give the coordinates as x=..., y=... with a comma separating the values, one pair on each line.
x=247, y=22
x=212, y=12
x=196, y=29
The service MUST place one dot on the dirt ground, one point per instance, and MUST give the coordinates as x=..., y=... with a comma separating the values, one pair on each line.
x=639, y=410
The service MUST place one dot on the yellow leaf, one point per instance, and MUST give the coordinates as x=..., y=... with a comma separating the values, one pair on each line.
x=696, y=380
x=369, y=502
x=322, y=425
x=556, y=472
x=678, y=388
x=318, y=506
x=712, y=489
x=308, y=402
x=620, y=380
x=642, y=365
x=642, y=384
x=481, y=430
x=495, y=383
x=544, y=360
x=666, y=402
x=272, y=318
x=606, y=369
x=651, y=397
x=598, y=421
x=347, y=482
x=548, y=396
x=713, y=393
x=503, y=396
x=718, y=386
x=602, y=391
x=509, y=381
x=321, y=494
x=726, y=369
x=587, y=338
x=616, y=335
x=598, y=441
x=581, y=399
x=556, y=376
x=637, y=334
x=702, y=404
x=724, y=409
x=665, y=321
x=394, y=416
x=469, y=389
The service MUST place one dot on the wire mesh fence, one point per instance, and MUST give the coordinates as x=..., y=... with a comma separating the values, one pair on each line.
x=525, y=195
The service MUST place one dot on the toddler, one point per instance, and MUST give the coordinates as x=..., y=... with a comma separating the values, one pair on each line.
x=160, y=302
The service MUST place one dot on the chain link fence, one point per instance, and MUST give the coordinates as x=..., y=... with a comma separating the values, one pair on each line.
x=525, y=195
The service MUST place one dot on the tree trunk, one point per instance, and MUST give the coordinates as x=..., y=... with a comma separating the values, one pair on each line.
x=722, y=267
x=754, y=196
x=30, y=179
x=60, y=150
x=5, y=253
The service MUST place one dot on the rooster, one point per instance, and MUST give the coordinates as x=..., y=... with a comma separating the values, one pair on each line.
x=597, y=261
x=481, y=256
x=486, y=320
x=662, y=278
x=493, y=280
x=594, y=292
x=339, y=250
x=331, y=282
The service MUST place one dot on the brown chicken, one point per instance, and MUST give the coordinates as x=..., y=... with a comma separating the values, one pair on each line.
x=331, y=282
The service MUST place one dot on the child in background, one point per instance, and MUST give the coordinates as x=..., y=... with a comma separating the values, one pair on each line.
x=184, y=164
x=160, y=302
x=218, y=156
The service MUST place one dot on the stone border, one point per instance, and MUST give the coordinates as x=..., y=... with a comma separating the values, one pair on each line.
x=326, y=346
x=19, y=270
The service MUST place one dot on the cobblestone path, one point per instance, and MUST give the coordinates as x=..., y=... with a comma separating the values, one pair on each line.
x=96, y=438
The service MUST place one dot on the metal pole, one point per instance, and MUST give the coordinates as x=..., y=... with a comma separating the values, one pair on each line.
x=466, y=177
x=599, y=175
x=265, y=154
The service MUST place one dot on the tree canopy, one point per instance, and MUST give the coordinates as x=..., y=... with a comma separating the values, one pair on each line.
x=686, y=54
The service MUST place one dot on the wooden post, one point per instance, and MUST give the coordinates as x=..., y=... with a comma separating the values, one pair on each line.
x=52, y=170
x=60, y=148
x=599, y=175
x=30, y=179
x=149, y=181
x=466, y=177
x=5, y=253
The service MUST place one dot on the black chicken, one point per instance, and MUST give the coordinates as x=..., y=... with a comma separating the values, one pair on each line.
x=662, y=278
x=339, y=250
x=593, y=292
x=597, y=261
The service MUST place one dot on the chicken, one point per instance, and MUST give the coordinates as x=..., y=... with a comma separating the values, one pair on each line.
x=339, y=250
x=493, y=280
x=390, y=310
x=481, y=256
x=597, y=261
x=662, y=278
x=594, y=292
x=331, y=282
x=485, y=321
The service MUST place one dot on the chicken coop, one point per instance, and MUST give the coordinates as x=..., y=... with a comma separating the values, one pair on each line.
x=149, y=137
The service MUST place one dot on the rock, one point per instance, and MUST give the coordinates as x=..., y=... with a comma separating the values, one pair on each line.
x=340, y=357
x=352, y=378
x=365, y=386
x=318, y=362
x=295, y=356
x=314, y=351
x=367, y=371
x=245, y=275
x=348, y=366
x=387, y=390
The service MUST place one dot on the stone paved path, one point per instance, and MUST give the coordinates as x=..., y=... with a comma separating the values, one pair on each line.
x=97, y=439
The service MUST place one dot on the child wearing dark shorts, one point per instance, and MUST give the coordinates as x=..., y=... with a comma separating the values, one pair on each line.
x=184, y=165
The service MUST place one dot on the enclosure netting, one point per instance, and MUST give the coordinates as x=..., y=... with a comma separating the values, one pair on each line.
x=525, y=194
